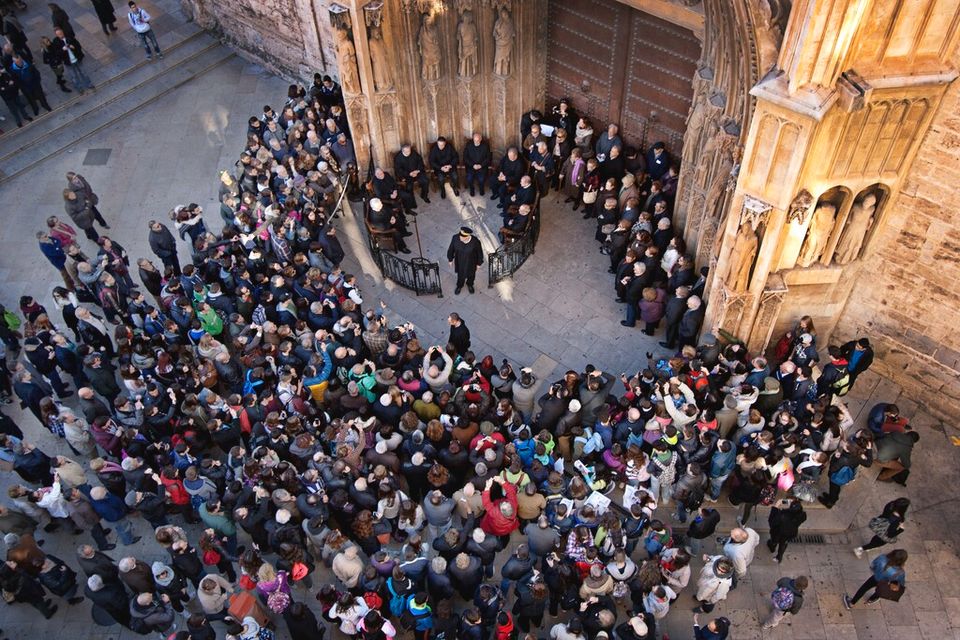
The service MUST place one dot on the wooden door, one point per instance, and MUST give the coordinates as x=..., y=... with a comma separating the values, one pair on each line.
x=618, y=64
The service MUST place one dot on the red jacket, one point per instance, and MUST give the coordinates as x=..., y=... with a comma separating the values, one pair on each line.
x=175, y=491
x=494, y=522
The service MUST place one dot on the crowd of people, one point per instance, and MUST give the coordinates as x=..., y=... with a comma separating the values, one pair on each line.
x=259, y=393
x=60, y=51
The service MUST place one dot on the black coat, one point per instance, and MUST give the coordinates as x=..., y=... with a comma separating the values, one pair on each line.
x=466, y=580
x=705, y=526
x=460, y=337
x=465, y=256
x=305, y=627
x=785, y=523
x=162, y=243
x=439, y=585
x=102, y=565
x=865, y=360
x=113, y=599
x=691, y=321
x=442, y=157
x=404, y=165
x=60, y=578
x=477, y=154
x=674, y=310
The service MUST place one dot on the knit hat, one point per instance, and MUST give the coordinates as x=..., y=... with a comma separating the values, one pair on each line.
x=131, y=499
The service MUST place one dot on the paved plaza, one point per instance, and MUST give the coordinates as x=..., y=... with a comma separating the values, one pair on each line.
x=557, y=313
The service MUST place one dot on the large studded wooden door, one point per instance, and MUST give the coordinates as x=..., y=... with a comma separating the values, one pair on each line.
x=621, y=65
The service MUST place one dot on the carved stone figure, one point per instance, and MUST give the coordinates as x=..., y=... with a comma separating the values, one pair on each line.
x=741, y=258
x=467, y=43
x=347, y=61
x=726, y=152
x=503, y=36
x=858, y=224
x=769, y=36
x=799, y=207
x=380, y=58
x=818, y=234
x=429, y=40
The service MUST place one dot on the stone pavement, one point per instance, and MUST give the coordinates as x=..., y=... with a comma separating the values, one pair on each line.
x=558, y=312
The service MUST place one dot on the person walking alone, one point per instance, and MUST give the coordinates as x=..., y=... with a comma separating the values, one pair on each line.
x=140, y=21
x=787, y=598
x=889, y=579
x=886, y=526
x=785, y=520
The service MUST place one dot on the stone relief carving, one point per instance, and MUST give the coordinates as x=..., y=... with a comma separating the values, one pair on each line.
x=347, y=62
x=380, y=59
x=429, y=44
x=468, y=41
x=504, y=34
x=858, y=225
x=818, y=234
x=769, y=34
x=741, y=259
x=724, y=147
x=800, y=207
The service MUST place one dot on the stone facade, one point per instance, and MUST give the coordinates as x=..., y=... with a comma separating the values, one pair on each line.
x=290, y=37
x=905, y=299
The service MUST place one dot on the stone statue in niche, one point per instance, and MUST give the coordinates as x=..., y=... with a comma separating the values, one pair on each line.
x=858, y=225
x=380, y=58
x=818, y=234
x=429, y=43
x=726, y=151
x=347, y=61
x=742, y=255
x=503, y=36
x=468, y=41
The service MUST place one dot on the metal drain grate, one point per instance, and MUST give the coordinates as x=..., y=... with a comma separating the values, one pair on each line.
x=97, y=157
x=809, y=538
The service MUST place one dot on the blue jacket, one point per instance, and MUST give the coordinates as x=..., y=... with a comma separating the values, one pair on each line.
x=53, y=250
x=111, y=508
x=884, y=571
x=722, y=464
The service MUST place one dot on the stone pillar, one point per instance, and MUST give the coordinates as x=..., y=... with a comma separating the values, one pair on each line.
x=831, y=139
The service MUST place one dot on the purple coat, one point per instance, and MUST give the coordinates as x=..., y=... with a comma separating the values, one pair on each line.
x=652, y=310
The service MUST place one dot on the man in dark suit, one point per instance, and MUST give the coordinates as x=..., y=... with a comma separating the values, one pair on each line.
x=409, y=170
x=443, y=161
x=658, y=161
x=384, y=218
x=691, y=321
x=465, y=255
x=476, y=160
x=385, y=188
x=672, y=315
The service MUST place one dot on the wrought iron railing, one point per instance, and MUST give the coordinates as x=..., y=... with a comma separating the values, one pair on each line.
x=510, y=256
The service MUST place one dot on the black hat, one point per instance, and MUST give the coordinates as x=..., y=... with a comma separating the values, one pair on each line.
x=466, y=231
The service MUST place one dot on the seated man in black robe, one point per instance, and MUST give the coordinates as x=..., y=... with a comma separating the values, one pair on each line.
x=476, y=160
x=385, y=218
x=385, y=188
x=443, y=161
x=512, y=168
x=409, y=170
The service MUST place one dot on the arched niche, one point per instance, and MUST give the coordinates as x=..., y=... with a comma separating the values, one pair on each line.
x=817, y=239
x=855, y=230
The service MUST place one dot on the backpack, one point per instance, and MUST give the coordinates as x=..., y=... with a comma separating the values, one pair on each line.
x=398, y=603
x=782, y=598
x=278, y=601
x=373, y=600
x=842, y=476
x=841, y=386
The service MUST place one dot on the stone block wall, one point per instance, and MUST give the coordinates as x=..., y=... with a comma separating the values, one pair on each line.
x=907, y=296
x=292, y=38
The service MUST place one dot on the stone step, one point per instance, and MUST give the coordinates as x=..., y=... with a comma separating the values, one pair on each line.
x=113, y=99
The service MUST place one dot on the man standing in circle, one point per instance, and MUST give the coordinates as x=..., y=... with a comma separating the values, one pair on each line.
x=465, y=255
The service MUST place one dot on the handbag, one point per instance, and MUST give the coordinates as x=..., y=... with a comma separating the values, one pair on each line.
x=890, y=590
x=589, y=197
x=880, y=526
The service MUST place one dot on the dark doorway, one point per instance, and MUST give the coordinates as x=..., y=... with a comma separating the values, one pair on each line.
x=622, y=65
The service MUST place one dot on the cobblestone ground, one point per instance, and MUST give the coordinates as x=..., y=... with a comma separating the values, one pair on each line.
x=558, y=313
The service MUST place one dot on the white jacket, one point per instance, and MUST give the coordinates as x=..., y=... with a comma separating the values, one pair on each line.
x=741, y=555
x=711, y=588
